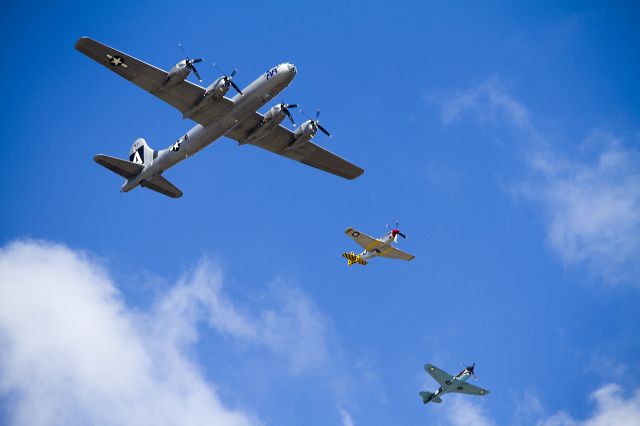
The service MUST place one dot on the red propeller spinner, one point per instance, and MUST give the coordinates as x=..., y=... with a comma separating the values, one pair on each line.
x=396, y=231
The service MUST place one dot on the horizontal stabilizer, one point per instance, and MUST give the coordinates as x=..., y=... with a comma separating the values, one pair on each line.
x=163, y=186
x=353, y=258
x=430, y=397
x=124, y=168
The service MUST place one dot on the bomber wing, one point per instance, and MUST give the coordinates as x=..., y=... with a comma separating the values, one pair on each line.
x=438, y=375
x=365, y=241
x=394, y=253
x=183, y=95
x=278, y=141
x=469, y=389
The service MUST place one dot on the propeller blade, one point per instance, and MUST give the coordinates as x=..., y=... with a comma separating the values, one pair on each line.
x=233, y=73
x=323, y=129
x=291, y=106
x=304, y=113
x=183, y=51
x=237, y=89
x=317, y=114
x=402, y=235
x=288, y=114
x=195, y=71
x=197, y=60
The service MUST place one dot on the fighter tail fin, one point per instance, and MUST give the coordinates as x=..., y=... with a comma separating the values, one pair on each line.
x=353, y=258
x=430, y=397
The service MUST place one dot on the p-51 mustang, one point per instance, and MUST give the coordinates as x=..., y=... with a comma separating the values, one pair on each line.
x=216, y=115
x=375, y=247
x=449, y=383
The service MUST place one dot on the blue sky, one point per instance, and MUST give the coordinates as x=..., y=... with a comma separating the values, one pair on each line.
x=503, y=137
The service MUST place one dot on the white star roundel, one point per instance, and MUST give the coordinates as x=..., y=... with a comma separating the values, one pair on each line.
x=116, y=60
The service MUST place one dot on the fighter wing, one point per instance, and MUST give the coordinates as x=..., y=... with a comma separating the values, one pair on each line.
x=365, y=241
x=438, y=375
x=394, y=253
x=469, y=389
x=278, y=141
x=182, y=95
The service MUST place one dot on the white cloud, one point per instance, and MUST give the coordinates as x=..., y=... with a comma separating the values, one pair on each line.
x=345, y=418
x=72, y=352
x=487, y=103
x=289, y=324
x=593, y=211
x=592, y=208
x=527, y=407
x=612, y=409
x=461, y=411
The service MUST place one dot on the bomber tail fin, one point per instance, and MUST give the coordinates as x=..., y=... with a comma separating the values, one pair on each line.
x=141, y=153
x=353, y=258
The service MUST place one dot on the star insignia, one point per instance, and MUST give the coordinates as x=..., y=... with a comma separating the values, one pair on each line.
x=116, y=60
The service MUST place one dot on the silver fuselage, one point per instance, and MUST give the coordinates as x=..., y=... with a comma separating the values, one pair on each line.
x=254, y=97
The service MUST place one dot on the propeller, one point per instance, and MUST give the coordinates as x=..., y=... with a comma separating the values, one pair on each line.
x=228, y=79
x=285, y=109
x=398, y=230
x=316, y=123
x=190, y=62
x=470, y=368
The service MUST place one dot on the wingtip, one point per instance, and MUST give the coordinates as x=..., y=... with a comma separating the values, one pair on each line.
x=355, y=176
x=82, y=40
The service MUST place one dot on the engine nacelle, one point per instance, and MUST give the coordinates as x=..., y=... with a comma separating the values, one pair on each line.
x=178, y=73
x=303, y=134
x=307, y=130
x=274, y=116
x=218, y=88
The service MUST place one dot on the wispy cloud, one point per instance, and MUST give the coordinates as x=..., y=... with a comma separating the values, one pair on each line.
x=287, y=322
x=593, y=210
x=592, y=207
x=346, y=418
x=71, y=350
x=461, y=411
x=487, y=103
x=612, y=408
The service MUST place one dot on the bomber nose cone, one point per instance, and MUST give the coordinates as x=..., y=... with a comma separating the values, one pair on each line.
x=292, y=69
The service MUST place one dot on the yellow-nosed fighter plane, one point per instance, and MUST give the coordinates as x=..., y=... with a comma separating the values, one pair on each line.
x=375, y=247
